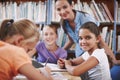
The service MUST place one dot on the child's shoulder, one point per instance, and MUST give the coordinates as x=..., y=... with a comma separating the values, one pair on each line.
x=12, y=48
x=62, y=50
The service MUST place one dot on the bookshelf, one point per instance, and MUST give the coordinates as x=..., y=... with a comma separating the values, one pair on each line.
x=117, y=27
x=50, y=14
x=35, y=10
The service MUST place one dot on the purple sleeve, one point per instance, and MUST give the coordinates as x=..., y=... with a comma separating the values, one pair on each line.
x=62, y=53
x=38, y=46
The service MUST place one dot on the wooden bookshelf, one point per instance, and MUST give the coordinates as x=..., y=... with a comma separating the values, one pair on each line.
x=109, y=3
x=23, y=8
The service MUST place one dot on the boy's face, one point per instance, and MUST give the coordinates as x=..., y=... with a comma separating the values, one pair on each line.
x=88, y=40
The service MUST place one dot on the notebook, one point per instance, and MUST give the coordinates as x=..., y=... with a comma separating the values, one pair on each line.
x=37, y=64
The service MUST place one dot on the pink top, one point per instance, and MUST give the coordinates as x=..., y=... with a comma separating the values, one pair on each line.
x=11, y=59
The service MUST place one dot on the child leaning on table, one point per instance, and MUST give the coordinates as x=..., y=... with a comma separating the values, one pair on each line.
x=93, y=60
x=15, y=60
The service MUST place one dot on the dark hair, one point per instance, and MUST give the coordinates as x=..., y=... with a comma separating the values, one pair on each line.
x=55, y=26
x=5, y=28
x=92, y=27
x=69, y=1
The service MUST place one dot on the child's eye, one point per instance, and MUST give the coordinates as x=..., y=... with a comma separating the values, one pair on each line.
x=80, y=38
x=45, y=34
x=58, y=9
x=88, y=37
x=64, y=7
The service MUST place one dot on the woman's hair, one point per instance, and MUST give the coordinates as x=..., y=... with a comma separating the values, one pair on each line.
x=23, y=27
x=69, y=1
x=92, y=27
x=54, y=26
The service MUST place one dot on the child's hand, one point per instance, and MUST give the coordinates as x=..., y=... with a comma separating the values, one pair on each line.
x=68, y=62
x=61, y=63
x=46, y=71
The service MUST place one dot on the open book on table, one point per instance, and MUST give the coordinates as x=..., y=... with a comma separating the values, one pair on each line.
x=54, y=67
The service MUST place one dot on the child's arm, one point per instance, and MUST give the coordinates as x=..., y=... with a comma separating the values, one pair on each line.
x=33, y=74
x=77, y=61
x=32, y=52
x=81, y=68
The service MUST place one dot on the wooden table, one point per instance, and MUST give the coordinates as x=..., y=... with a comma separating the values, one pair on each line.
x=56, y=76
x=70, y=77
x=64, y=76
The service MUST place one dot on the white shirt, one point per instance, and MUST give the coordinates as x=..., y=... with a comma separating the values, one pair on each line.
x=102, y=70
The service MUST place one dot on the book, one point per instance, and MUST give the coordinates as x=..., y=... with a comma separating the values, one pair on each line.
x=107, y=11
x=94, y=12
x=118, y=47
x=36, y=64
x=54, y=67
x=98, y=11
x=104, y=32
x=58, y=76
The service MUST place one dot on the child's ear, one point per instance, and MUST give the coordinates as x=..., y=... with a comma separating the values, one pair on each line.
x=99, y=39
x=18, y=40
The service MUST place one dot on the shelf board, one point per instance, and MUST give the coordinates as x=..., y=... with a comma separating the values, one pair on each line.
x=106, y=23
x=118, y=23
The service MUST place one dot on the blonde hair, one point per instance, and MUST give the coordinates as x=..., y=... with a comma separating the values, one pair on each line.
x=23, y=27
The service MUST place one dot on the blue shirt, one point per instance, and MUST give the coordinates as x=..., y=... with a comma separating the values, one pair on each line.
x=80, y=19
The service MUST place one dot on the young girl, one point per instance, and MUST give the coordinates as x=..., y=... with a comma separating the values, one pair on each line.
x=94, y=59
x=14, y=60
x=48, y=48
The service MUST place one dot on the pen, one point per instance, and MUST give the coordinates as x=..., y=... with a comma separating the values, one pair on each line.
x=46, y=61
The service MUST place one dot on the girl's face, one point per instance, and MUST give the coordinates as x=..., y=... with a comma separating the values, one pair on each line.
x=64, y=9
x=49, y=36
x=87, y=40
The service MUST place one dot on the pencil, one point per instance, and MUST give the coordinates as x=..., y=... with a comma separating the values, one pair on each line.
x=46, y=61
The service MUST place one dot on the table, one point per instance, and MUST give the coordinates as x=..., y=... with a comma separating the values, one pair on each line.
x=70, y=77
x=64, y=76
x=56, y=73
x=56, y=76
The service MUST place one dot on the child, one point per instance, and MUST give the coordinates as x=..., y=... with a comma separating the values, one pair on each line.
x=14, y=60
x=48, y=48
x=93, y=60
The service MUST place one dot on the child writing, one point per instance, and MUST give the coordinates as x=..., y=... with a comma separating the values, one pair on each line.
x=14, y=60
x=94, y=59
x=48, y=48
